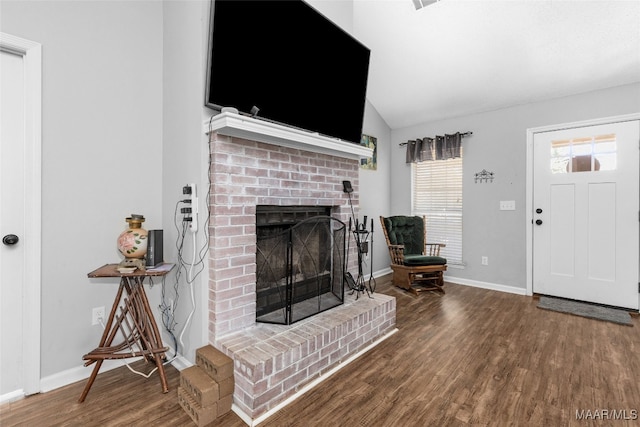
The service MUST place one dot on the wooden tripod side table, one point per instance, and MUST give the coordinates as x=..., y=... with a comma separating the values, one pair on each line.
x=130, y=315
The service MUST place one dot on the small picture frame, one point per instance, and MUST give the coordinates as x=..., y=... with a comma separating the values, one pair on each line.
x=370, y=163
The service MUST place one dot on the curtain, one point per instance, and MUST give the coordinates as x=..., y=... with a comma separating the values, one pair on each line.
x=438, y=148
x=411, y=151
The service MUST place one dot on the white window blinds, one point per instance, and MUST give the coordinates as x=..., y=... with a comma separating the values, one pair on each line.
x=437, y=194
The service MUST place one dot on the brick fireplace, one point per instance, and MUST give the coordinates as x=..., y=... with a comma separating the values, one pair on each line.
x=245, y=174
x=273, y=362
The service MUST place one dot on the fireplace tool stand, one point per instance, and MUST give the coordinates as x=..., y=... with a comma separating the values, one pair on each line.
x=364, y=241
x=372, y=280
x=362, y=237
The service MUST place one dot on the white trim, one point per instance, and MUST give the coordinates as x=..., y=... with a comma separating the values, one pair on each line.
x=529, y=176
x=239, y=126
x=382, y=272
x=73, y=375
x=485, y=285
x=321, y=378
x=180, y=363
x=80, y=373
x=32, y=56
x=11, y=396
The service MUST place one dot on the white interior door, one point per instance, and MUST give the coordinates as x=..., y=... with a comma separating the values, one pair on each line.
x=20, y=216
x=11, y=219
x=586, y=213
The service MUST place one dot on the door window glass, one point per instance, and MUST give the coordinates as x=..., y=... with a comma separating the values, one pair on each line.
x=585, y=154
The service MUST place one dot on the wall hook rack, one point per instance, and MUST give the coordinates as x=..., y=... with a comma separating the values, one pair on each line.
x=484, y=176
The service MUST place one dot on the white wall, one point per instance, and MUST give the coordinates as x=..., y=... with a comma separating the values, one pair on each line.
x=101, y=152
x=375, y=188
x=498, y=145
x=185, y=155
x=339, y=12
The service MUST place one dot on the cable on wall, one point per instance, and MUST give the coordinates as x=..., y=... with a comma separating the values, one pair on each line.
x=189, y=269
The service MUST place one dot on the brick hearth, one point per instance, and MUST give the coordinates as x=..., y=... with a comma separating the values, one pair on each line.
x=273, y=362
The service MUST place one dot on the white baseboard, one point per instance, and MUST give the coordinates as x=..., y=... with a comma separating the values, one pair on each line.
x=81, y=373
x=382, y=272
x=468, y=282
x=62, y=379
x=485, y=285
x=11, y=396
x=181, y=363
x=76, y=374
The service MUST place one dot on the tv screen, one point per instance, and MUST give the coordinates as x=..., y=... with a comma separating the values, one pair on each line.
x=292, y=63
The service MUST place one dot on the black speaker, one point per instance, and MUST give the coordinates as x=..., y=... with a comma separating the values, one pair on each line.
x=154, y=248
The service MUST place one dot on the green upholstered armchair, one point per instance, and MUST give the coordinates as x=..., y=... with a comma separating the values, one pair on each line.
x=417, y=265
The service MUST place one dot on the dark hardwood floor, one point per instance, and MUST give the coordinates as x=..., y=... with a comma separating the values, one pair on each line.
x=472, y=356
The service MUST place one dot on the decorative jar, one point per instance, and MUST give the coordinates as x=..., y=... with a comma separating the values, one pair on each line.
x=132, y=243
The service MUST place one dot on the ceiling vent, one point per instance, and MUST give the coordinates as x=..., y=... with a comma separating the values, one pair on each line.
x=419, y=4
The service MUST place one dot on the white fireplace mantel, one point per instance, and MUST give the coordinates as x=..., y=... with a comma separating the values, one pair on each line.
x=239, y=126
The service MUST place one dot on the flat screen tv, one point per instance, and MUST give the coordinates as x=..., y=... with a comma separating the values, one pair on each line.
x=291, y=62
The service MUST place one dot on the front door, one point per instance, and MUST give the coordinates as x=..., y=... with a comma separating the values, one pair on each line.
x=586, y=213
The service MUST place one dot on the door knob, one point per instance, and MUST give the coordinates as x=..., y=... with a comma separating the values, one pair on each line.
x=539, y=211
x=538, y=221
x=10, y=239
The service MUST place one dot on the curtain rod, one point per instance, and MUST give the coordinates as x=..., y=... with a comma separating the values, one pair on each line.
x=462, y=135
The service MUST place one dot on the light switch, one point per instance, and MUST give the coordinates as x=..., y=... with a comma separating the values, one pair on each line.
x=507, y=205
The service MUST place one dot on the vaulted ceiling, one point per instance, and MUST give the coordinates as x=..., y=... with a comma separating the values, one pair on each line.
x=458, y=57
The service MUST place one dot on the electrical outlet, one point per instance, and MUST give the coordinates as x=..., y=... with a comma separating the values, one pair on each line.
x=96, y=315
x=507, y=205
x=485, y=260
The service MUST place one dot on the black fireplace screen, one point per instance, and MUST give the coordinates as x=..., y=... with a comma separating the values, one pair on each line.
x=300, y=269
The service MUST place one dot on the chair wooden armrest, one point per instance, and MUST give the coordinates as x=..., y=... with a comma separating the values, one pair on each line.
x=397, y=254
x=433, y=249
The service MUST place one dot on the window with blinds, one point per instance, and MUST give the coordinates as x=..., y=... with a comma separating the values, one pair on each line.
x=437, y=194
